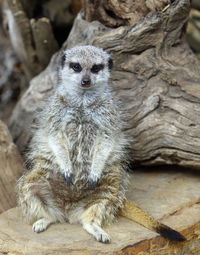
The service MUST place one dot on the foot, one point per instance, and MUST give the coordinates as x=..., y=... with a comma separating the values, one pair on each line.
x=103, y=238
x=99, y=234
x=93, y=182
x=40, y=225
x=69, y=178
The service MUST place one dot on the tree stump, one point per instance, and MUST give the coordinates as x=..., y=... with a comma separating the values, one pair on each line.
x=171, y=196
x=155, y=75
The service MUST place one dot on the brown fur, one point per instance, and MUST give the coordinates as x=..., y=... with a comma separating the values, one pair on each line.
x=78, y=154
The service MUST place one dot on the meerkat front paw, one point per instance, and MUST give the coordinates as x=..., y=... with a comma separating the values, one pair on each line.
x=40, y=225
x=69, y=178
x=93, y=182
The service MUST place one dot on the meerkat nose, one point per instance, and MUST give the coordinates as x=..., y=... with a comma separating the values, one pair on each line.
x=86, y=81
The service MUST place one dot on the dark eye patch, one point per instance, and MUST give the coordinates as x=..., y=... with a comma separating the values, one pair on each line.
x=110, y=63
x=76, y=67
x=97, y=68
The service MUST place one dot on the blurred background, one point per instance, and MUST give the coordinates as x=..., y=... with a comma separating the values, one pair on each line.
x=56, y=20
x=22, y=57
x=53, y=22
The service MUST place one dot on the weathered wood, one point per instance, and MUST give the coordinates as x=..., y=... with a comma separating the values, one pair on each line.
x=45, y=43
x=21, y=37
x=29, y=35
x=11, y=169
x=193, y=30
x=33, y=42
x=114, y=13
x=196, y=4
x=12, y=77
x=171, y=196
x=156, y=76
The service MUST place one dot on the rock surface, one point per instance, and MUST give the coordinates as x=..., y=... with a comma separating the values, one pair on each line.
x=11, y=168
x=174, y=198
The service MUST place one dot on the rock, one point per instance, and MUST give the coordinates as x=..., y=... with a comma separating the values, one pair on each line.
x=172, y=197
x=11, y=168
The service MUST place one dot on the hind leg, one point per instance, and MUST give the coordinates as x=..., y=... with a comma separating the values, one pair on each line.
x=103, y=205
x=37, y=202
x=91, y=220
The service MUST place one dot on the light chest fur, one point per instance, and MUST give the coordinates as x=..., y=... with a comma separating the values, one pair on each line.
x=81, y=124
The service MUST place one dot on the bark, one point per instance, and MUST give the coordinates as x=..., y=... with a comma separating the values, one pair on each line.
x=155, y=75
x=114, y=13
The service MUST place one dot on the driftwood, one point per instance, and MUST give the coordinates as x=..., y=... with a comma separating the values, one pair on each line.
x=114, y=13
x=45, y=43
x=155, y=75
x=20, y=35
x=30, y=33
x=159, y=195
x=11, y=168
x=196, y=4
x=36, y=28
x=193, y=31
x=12, y=78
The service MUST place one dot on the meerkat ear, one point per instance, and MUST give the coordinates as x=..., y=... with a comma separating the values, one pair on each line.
x=110, y=63
x=63, y=58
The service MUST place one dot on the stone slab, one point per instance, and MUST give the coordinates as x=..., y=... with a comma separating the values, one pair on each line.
x=173, y=196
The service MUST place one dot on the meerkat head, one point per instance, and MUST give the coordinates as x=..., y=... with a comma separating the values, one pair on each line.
x=85, y=68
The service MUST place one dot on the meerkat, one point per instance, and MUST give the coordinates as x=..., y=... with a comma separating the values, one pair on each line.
x=78, y=153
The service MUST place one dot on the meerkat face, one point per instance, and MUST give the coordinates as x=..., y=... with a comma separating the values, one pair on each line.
x=85, y=68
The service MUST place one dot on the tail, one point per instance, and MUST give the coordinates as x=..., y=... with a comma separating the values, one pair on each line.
x=133, y=212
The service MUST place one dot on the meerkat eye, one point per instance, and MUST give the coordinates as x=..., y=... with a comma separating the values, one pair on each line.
x=97, y=68
x=76, y=67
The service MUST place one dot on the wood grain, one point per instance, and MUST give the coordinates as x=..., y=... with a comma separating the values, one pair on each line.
x=114, y=13
x=155, y=75
x=11, y=168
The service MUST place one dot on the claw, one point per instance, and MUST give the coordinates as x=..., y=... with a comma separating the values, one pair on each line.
x=93, y=184
x=69, y=178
